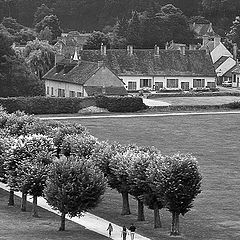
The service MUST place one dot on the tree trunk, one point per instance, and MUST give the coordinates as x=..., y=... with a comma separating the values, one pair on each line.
x=125, y=206
x=62, y=227
x=157, y=221
x=141, y=216
x=11, y=198
x=175, y=224
x=34, y=207
x=24, y=202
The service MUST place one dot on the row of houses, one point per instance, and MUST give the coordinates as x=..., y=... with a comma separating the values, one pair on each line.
x=118, y=71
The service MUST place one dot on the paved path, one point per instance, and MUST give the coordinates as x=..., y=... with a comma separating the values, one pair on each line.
x=89, y=221
x=139, y=115
x=154, y=103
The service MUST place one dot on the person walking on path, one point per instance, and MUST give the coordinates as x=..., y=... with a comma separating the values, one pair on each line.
x=110, y=229
x=124, y=233
x=132, y=230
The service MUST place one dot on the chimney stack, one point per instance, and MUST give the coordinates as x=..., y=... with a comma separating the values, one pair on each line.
x=156, y=50
x=183, y=50
x=100, y=63
x=192, y=47
x=235, y=50
x=217, y=40
x=205, y=40
x=166, y=46
x=130, y=50
x=103, y=49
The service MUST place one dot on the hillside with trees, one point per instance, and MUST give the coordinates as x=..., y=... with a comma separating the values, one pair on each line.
x=89, y=15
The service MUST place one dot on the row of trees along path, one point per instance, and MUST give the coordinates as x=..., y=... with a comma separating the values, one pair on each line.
x=70, y=168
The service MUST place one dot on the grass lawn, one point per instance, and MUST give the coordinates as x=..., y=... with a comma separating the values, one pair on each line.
x=215, y=100
x=214, y=140
x=15, y=224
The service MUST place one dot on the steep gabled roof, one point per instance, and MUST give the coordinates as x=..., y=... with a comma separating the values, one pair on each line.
x=220, y=61
x=79, y=74
x=144, y=62
x=236, y=69
x=201, y=29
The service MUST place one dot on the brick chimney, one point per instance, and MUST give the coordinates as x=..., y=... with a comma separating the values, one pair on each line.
x=235, y=50
x=217, y=40
x=130, y=50
x=156, y=50
x=205, y=40
x=183, y=49
x=103, y=49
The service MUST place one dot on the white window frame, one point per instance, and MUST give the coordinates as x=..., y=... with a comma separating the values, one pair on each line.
x=175, y=85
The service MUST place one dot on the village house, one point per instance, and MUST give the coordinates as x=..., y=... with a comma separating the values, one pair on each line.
x=224, y=61
x=78, y=78
x=156, y=69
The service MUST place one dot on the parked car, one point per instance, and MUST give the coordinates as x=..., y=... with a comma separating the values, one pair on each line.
x=227, y=84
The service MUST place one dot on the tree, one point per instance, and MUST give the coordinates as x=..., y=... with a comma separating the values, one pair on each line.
x=182, y=183
x=40, y=57
x=138, y=179
x=42, y=11
x=118, y=177
x=154, y=198
x=16, y=78
x=96, y=39
x=73, y=186
x=46, y=34
x=233, y=35
x=52, y=23
x=30, y=156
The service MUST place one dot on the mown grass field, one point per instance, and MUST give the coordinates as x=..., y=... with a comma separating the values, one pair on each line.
x=216, y=100
x=214, y=140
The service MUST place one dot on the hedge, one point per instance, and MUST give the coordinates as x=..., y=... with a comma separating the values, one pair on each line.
x=49, y=105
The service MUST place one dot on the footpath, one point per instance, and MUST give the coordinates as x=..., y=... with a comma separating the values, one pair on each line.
x=88, y=220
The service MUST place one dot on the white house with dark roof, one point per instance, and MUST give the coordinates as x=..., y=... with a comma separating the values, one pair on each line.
x=157, y=68
x=79, y=78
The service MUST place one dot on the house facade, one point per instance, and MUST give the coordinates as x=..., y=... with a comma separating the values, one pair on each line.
x=78, y=78
x=156, y=69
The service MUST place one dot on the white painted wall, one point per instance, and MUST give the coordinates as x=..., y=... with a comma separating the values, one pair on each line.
x=220, y=51
x=237, y=83
x=163, y=79
x=62, y=85
x=225, y=66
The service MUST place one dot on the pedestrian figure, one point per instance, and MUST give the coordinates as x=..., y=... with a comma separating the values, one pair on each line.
x=132, y=230
x=124, y=233
x=110, y=229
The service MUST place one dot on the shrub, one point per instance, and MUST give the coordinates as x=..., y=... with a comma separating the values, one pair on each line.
x=120, y=104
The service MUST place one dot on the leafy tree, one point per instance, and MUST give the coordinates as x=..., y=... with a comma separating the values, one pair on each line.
x=118, y=177
x=233, y=35
x=16, y=78
x=42, y=11
x=52, y=23
x=154, y=199
x=40, y=57
x=30, y=156
x=81, y=145
x=12, y=23
x=134, y=31
x=182, y=183
x=96, y=39
x=138, y=178
x=46, y=34
x=73, y=186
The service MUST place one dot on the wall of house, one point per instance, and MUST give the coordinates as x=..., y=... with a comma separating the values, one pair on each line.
x=236, y=79
x=104, y=77
x=55, y=85
x=157, y=80
x=225, y=67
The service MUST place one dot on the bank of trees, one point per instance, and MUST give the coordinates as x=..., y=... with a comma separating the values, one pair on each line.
x=71, y=169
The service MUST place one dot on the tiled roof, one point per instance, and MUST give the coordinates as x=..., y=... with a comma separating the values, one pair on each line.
x=236, y=69
x=78, y=74
x=220, y=61
x=202, y=29
x=229, y=72
x=209, y=45
x=99, y=90
x=144, y=62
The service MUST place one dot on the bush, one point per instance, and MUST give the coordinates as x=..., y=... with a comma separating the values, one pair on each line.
x=120, y=104
x=233, y=105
